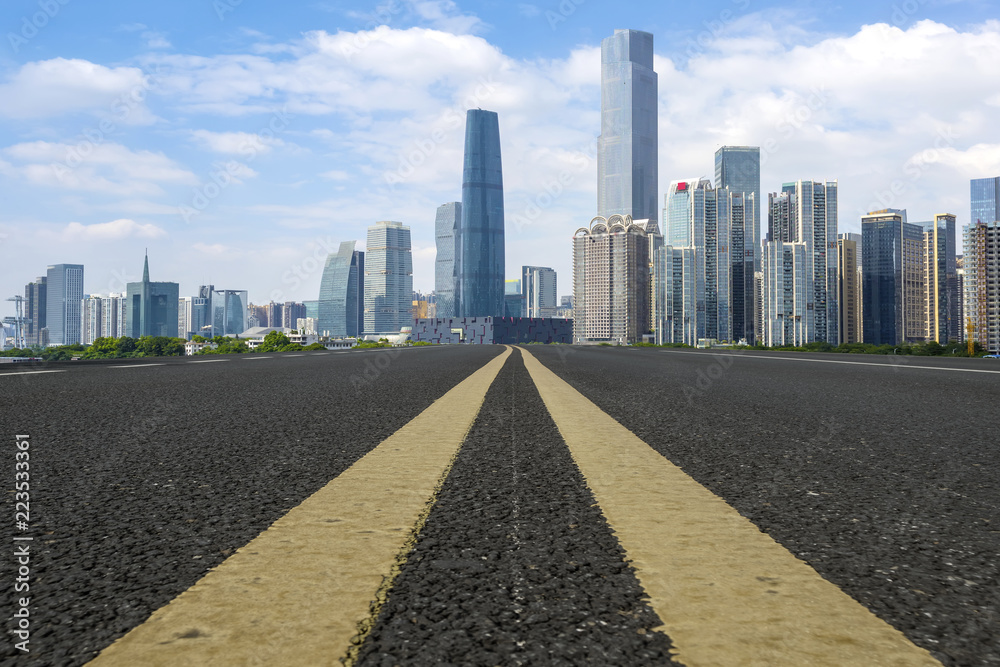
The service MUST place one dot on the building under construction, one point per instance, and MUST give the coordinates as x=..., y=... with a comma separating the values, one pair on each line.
x=981, y=262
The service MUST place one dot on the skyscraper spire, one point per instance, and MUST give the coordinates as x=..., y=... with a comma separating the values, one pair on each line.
x=145, y=268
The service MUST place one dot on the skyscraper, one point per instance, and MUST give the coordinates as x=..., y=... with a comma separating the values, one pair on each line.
x=985, y=199
x=151, y=308
x=34, y=311
x=738, y=168
x=388, y=285
x=480, y=260
x=627, y=149
x=981, y=260
x=611, y=293
x=849, y=287
x=342, y=293
x=538, y=287
x=230, y=310
x=941, y=275
x=64, y=295
x=892, y=279
x=446, y=228
x=807, y=212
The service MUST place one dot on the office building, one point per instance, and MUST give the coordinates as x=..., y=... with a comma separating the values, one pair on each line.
x=480, y=260
x=676, y=303
x=738, y=168
x=34, y=311
x=611, y=281
x=63, y=296
x=627, y=148
x=388, y=279
x=229, y=312
x=446, y=233
x=342, y=293
x=151, y=308
x=538, y=289
x=892, y=284
x=849, y=287
x=981, y=261
x=941, y=291
x=985, y=200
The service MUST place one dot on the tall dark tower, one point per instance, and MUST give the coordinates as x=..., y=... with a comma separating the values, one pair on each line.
x=480, y=244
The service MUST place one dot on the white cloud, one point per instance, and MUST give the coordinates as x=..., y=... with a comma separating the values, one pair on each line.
x=110, y=231
x=237, y=143
x=54, y=87
x=107, y=167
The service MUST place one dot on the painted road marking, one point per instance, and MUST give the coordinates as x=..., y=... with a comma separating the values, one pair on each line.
x=256, y=357
x=32, y=372
x=207, y=361
x=135, y=365
x=299, y=592
x=898, y=364
x=727, y=593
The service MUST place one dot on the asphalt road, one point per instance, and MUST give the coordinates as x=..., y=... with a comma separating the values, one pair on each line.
x=879, y=473
x=145, y=477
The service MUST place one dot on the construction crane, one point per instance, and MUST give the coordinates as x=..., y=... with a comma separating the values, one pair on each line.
x=18, y=321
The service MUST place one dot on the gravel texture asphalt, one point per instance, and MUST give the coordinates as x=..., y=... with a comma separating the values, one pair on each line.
x=883, y=478
x=145, y=477
x=516, y=564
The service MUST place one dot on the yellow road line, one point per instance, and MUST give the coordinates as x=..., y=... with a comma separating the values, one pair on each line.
x=727, y=593
x=299, y=592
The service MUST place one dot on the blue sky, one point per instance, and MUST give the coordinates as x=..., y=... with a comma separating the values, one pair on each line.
x=241, y=142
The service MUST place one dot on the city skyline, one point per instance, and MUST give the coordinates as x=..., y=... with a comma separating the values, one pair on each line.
x=273, y=216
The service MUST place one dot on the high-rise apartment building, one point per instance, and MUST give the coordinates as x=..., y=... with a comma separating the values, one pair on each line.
x=446, y=229
x=786, y=282
x=611, y=294
x=941, y=294
x=291, y=311
x=627, y=148
x=34, y=312
x=102, y=316
x=388, y=283
x=342, y=293
x=893, y=284
x=807, y=212
x=538, y=288
x=849, y=287
x=64, y=294
x=480, y=242
x=151, y=308
x=981, y=261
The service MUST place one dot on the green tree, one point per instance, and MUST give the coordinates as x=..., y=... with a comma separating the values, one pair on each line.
x=273, y=342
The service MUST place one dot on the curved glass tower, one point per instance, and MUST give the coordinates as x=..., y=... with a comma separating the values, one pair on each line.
x=479, y=264
x=341, y=293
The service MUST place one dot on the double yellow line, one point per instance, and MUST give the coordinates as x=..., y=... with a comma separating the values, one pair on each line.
x=307, y=590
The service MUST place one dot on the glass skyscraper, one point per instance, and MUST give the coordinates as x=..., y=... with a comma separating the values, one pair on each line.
x=388, y=272
x=985, y=200
x=480, y=260
x=342, y=293
x=64, y=296
x=151, y=308
x=446, y=226
x=892, y=292
x=627, y=148
x=738, y=168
